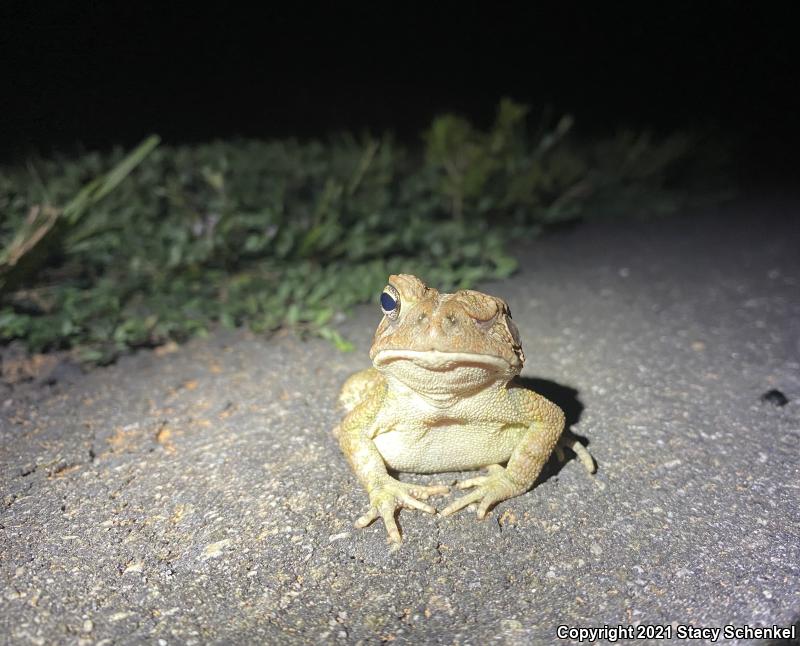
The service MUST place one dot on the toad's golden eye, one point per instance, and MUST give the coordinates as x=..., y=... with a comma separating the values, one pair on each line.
x=390, y=302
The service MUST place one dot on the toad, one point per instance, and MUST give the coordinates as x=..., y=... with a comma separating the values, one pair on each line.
x=442, y=396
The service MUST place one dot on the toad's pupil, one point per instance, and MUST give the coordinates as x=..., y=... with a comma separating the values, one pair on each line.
x=387, y=302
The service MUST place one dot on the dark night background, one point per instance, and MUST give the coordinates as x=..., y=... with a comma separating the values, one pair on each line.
x=107, y=73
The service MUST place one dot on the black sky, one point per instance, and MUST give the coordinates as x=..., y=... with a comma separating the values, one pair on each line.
x=111, y=72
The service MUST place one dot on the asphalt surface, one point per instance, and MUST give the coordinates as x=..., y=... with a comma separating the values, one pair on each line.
x=196, y=495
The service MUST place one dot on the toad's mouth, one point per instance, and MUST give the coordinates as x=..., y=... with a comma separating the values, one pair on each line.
x=438, y=361
x=442, y=376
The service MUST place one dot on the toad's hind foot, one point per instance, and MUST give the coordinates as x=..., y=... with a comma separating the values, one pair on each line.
x=569, y=441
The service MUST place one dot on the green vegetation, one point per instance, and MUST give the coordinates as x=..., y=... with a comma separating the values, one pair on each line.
x=110, y=252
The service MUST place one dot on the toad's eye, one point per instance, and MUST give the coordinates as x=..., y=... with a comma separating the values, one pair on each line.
x=390, y=302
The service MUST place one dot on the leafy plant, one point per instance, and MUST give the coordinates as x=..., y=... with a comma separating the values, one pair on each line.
x=109, y=252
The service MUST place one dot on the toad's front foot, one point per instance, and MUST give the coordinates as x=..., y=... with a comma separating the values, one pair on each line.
x=389, y=494
x=489, y=490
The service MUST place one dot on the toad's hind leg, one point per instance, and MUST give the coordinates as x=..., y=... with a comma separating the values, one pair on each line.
x=358, y=386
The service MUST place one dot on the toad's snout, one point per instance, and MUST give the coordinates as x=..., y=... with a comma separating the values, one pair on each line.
x=441, y=326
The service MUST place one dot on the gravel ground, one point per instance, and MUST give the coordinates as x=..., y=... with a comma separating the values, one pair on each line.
x=195, y=495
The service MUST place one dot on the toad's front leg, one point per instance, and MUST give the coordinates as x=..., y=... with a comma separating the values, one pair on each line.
x=545, y=425
x=386, y=494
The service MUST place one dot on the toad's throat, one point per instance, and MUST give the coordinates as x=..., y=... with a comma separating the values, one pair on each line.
x=442, y=377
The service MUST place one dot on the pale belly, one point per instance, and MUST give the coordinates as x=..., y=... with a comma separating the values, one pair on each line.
x=447, y=448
